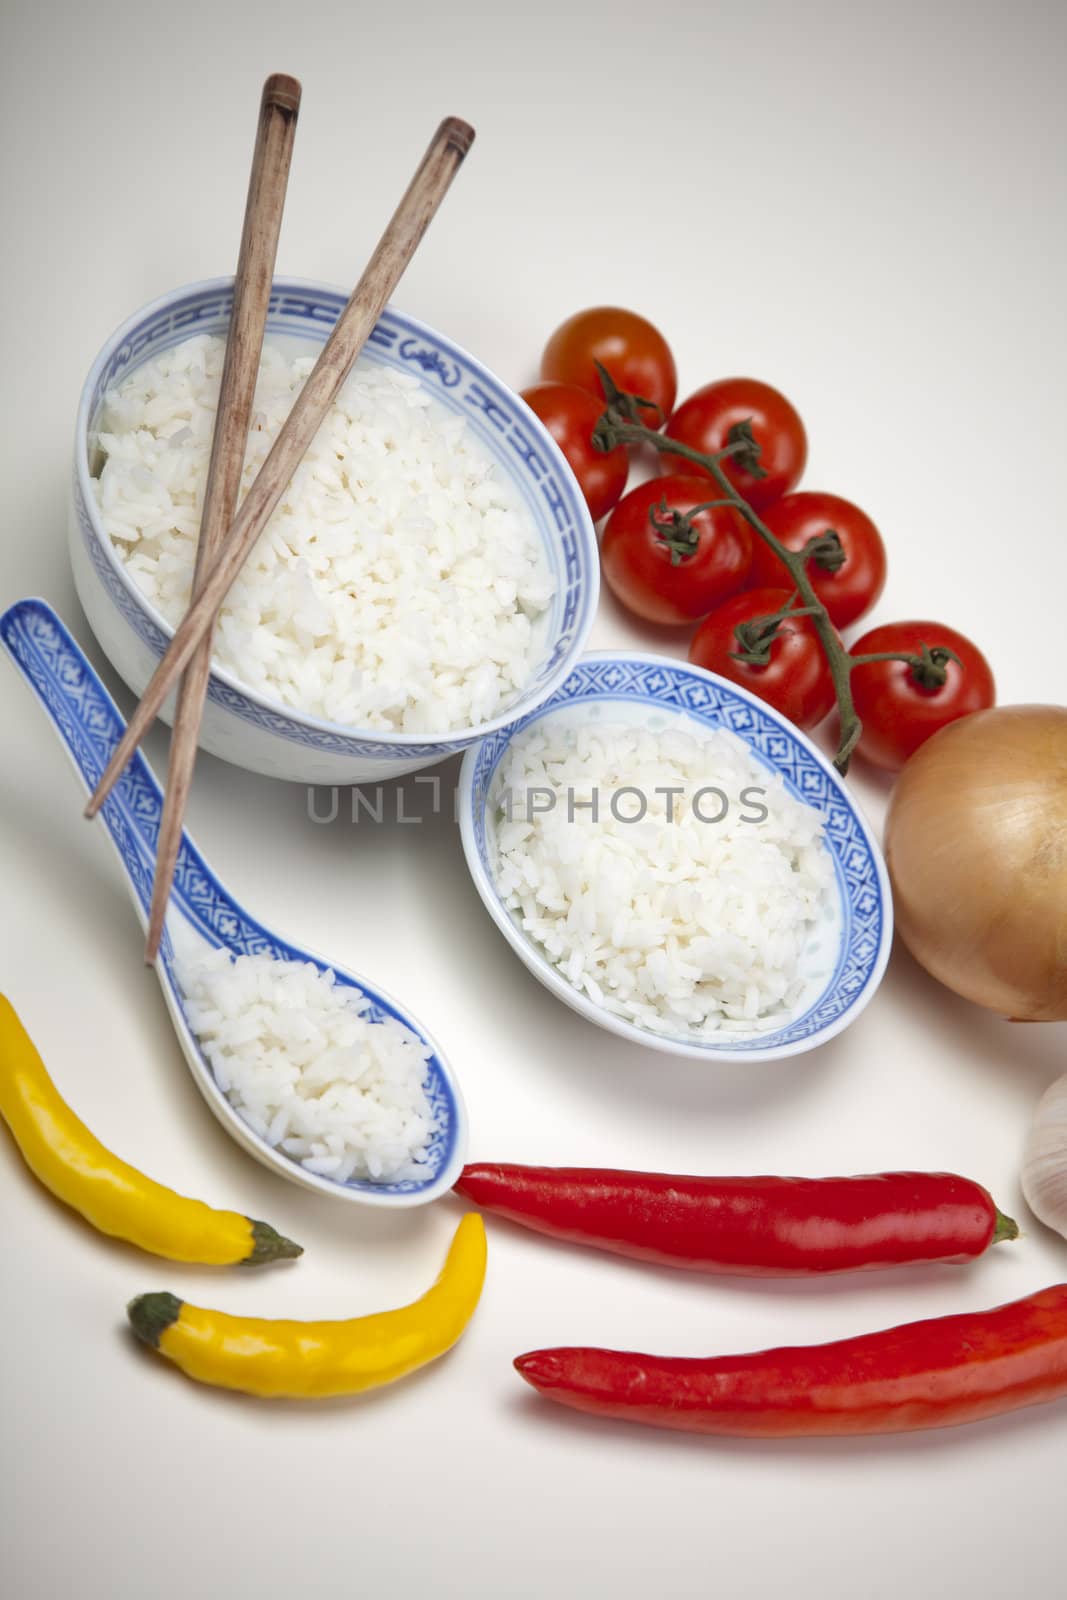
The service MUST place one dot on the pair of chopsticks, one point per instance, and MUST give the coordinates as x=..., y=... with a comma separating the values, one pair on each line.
x=227, y=539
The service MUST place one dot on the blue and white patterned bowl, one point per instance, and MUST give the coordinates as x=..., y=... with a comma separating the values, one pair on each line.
x=202, y=914
x=848, y=951
x=240, y=725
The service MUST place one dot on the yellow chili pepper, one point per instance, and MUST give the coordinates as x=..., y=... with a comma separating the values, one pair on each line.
x=115, y=1198
x=312, y=1360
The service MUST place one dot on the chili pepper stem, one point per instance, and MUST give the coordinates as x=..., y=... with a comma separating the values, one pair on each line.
x=1006, y=1228
x=152, y=1314
x=270, y=1245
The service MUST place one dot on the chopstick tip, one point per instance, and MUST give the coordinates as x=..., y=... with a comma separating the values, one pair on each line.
x=154, y=936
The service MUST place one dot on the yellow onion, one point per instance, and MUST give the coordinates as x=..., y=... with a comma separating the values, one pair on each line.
x=976, y=844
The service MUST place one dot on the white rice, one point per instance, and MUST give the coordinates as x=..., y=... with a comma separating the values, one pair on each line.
x=685, y=927
x=399, y=585
x=297, y=1059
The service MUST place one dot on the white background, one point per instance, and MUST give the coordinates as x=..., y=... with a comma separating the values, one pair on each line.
x=864, y=205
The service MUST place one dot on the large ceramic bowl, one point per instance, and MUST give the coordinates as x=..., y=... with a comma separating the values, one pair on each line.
x=245, y=727
x=845, y=957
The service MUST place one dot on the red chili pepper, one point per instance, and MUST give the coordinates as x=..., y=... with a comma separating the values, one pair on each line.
x=760, y=1227
x=932, y=1374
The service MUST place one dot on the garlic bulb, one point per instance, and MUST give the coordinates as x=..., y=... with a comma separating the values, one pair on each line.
x=1045, y=1163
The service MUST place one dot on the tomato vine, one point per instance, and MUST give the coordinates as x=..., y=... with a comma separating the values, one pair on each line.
x=621, y=424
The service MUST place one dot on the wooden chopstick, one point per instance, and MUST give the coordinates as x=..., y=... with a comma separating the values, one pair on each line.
x=394, y=250
x=278, y=110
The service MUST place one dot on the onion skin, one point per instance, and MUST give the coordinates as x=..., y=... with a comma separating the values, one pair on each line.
x=976, y=845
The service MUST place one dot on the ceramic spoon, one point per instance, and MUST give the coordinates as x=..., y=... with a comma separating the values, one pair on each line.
x=202, y=914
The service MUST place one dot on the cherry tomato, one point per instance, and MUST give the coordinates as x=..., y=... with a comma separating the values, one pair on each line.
x=704, y=421
x=636, y=559
x=852, y=590
x=570, y=415
x=635, y=353
x=796, y=680
x=897, y=712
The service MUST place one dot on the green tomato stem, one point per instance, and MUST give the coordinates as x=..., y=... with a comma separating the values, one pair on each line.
x=620, y=431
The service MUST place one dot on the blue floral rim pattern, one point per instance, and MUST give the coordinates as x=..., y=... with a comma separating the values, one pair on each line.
x=499, y=419
x=807, y=776
x=90, y=725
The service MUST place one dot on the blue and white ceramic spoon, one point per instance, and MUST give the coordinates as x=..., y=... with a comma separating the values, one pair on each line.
x=201, y=910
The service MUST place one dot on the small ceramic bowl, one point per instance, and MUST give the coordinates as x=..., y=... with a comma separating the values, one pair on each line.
x=847, y=951
x=240, y=725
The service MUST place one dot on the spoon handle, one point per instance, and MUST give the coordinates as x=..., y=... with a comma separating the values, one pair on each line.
x=89, y=726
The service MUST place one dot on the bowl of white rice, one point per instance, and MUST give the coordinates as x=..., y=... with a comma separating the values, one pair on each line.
x=430, y=575
x=674, y=860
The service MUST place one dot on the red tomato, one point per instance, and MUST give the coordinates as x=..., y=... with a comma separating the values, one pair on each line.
x=796, y=680
x=635, y=353
x=570, y=415
x=897, y=712
x=704, y=421
x=637, y=561
x=850, y=591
